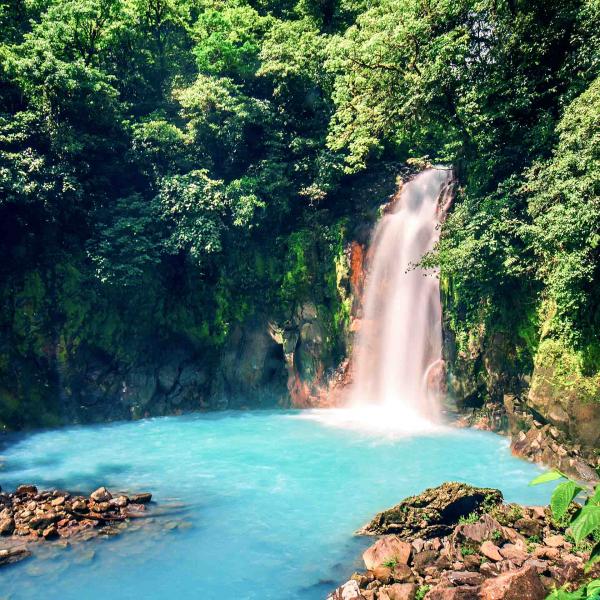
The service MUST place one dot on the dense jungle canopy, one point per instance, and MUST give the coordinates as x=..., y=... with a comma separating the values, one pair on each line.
x=168, y=167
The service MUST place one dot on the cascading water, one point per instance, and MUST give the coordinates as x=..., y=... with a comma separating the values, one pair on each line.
x=399, y=345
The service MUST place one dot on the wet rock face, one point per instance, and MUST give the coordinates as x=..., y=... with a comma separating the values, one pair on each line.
x=251, y=370
x=562, y=402
x=434, y=512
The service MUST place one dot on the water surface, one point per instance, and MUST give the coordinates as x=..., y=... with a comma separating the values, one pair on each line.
x=272, y=500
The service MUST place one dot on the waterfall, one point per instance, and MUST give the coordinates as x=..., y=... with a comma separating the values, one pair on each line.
x=399, y=343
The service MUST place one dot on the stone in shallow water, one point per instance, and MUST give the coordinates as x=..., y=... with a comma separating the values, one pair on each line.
x=7, y=526
x=348, y=591
x=12, y=555
x=142, y=498
x=101, y=495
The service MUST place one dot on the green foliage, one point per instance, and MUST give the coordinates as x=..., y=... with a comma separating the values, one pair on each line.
x=201, y=159
x=471, y=518
x=589, y=591
x=584, y=524
x=562, y=497
x=422, y=592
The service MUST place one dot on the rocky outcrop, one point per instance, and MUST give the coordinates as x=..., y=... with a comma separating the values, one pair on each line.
x=30, y=516
x=434, y=512
x=504, y=552
x=563, y=396
x=251, y=369
x=544, y=443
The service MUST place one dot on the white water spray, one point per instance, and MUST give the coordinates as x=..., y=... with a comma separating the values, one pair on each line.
x=397, y=360
x=399, y=345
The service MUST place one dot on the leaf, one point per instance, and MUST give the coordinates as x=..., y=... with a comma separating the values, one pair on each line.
x=587, y=521
x=562, y=497
x=546, y=477
x=563, y=594
x=593, y=587
x=595, y=499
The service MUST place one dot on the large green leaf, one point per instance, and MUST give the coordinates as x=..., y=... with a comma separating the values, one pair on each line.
x=562, y=594
x=593, y=587
x=562, y=497
x=546, y=477
x=587, y=521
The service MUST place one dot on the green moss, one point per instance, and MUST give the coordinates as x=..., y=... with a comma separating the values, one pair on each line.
x=562, y=369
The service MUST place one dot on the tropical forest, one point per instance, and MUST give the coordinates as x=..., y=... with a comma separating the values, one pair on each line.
x=300, y=299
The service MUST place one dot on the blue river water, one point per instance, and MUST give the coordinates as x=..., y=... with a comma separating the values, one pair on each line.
x=262, y=505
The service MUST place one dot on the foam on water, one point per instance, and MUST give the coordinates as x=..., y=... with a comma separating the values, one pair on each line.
x=391, y=421
x=271, y=501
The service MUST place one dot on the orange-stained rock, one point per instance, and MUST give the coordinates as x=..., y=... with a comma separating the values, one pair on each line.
x=490, y=550
x=388, y=549
x=397, y=591
x=524, y=584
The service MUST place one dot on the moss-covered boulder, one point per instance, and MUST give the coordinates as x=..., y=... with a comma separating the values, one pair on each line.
x=434, y=512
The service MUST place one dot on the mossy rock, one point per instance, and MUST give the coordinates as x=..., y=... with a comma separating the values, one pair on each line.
x=564, y=395
x=434, y=512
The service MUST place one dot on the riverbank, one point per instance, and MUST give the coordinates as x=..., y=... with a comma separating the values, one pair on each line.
x=457, y=542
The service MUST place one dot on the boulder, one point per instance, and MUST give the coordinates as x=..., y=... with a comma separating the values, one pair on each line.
x=50, y=532
x=514, y=554
x=7, y=526
x=478, y=532
x=13, y=555
x=424, y=559
x=441, y=592
x=348, y=591
x=516, y=585
x=462, y=578
x=24, y=490
x=529, y=527
x=402, y=573
x=472, y=561
x=79, y=506
x=120, y=501
x=554, y=541
x=142, y=498
x=387, y=549
x=397, y=591
x=101, y=495
x=546, y=552
x=383, y=574
x=490, y=550
x=44, y=520
x=434, y=512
